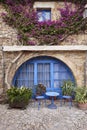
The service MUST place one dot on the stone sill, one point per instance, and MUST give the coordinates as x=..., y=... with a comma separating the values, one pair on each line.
x=44, y=48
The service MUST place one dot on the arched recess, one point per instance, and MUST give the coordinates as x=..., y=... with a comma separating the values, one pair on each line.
x=42, y=69
x=15, y=65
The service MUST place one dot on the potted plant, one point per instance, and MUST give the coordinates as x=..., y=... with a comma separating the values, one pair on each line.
x=68, y=88
x=18, y=97
x=81, y=97
x=68, y=91
x=40, y=89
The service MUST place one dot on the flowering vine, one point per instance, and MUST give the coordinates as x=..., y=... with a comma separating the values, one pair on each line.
x=23, y=17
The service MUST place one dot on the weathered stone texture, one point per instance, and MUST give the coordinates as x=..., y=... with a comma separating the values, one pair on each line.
x=1, y=73
x=86, y=70
x=13, y=60
x=74, y=60
x=80, y=39
x=0, y=67
x=61, y=118
x=8, y=35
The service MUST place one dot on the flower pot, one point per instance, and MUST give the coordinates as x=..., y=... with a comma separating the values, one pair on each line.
x=82, y=106
x=19, y=104
x=18, y=97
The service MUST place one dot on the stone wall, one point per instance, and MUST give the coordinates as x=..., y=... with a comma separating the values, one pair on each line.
x=80, y=39
x=13, y=60
x=74, y=60
x=86, y=70
x=1, y=73
x=8, y=35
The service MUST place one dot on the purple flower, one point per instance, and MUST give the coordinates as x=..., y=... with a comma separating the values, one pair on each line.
x=23, y=17
x=3, y=14
x=31, y=42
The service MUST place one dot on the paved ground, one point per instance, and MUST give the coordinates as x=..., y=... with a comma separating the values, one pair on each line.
x=61, y=118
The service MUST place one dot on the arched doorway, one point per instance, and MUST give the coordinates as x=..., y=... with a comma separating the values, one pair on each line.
x=43, y=69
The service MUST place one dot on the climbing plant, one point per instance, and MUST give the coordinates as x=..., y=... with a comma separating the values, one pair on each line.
x=23, y=17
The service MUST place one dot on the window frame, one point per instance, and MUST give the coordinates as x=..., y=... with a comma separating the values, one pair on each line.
x=44, y=10
x=63, y=70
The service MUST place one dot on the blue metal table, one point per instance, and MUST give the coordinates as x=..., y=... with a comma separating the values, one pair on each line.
x=52, y=95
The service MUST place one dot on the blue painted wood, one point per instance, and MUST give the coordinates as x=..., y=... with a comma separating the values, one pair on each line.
x=52, y=76
x=39, y=98
x=47, y=70
x=35, y=73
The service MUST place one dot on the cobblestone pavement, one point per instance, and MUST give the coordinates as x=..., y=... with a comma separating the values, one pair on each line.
x=31, y=118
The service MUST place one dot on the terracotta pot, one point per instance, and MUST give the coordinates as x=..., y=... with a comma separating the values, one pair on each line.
x=20, y=105
x=82, y=106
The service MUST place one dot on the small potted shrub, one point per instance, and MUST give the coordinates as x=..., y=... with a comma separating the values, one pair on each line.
x=68, y=88
x=81, y=97
x=40, y=89
x=18, y=97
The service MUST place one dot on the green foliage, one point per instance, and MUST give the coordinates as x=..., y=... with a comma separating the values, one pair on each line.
x=2, y=1
x=68, y=88
x=19, y=95
x=81, y=95
x=40, y=89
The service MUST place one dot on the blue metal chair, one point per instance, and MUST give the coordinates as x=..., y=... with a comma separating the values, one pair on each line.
x=68, y=98
x=38, y=98
x=59, y=90
x=62, y=97
x=68, y=91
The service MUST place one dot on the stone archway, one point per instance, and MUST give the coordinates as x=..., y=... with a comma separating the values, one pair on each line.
x=23, y=57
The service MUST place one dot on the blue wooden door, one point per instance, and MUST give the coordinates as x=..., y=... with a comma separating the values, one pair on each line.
x=46, y=70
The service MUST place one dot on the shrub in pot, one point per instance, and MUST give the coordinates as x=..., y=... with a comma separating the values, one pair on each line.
x=68, y=88
x=40, y=89
x=19, y=97
x=81, y=97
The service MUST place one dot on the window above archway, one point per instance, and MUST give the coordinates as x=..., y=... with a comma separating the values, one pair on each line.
x=85, y=12
x=44, y=5
x=44, y=14
x=44, y=10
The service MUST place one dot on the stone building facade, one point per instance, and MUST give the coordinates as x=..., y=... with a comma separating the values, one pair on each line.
x=72, y=51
